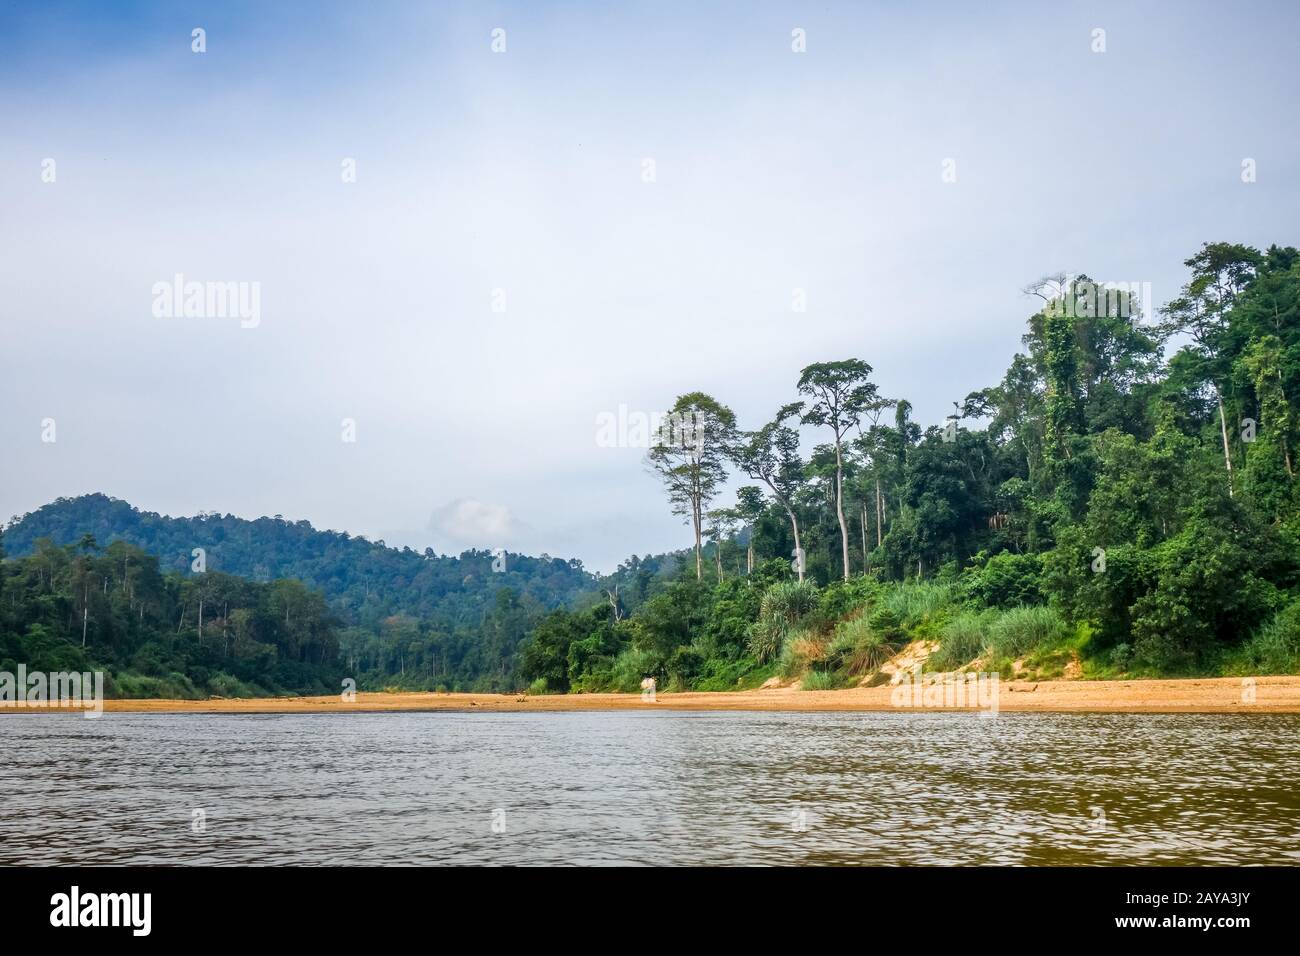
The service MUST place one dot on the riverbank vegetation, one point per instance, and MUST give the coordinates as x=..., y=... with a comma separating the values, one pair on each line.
x=85, y=608
x=1122, y=503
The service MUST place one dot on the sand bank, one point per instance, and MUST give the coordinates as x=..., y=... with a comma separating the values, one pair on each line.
x=1223, y=695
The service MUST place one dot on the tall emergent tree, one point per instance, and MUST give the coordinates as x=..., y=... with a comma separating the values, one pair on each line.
x=689, y=456
x=1219, y=273
x=771, y=455
x=840, y=393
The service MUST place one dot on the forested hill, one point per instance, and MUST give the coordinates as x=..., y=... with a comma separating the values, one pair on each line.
x=366, y=579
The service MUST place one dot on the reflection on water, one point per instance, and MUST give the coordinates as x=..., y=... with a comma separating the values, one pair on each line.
x=654, y=788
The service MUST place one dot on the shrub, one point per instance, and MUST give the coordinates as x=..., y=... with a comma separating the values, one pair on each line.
x=631, y=667
x=782, y=607
x=840, y=598
x=683, y=666
x=538, y=687
x=227, y=685
x=1005, y=580
x=716, y=675
x=1275, y=647
x=789, y=600
x=886, y=622
x=1121, y=656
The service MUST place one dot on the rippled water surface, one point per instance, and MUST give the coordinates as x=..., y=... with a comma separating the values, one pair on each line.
x=665, y=788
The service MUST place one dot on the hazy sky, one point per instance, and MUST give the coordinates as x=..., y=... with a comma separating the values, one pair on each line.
x=525, y=171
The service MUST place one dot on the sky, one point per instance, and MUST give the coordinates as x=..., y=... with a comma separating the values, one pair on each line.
x=463, y=256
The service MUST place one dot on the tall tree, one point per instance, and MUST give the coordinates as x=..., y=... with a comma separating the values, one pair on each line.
x=689, y=455
x=840, y=392
x=771, y=455
x=1219, y=273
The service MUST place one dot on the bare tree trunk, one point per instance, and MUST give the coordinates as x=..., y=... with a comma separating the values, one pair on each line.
x=839, y=506
x=699, y=554
x=697, y=518
x=1223, y=428
x=798, y=548
x=880, y=506
x=85, y=612
x=864, y=536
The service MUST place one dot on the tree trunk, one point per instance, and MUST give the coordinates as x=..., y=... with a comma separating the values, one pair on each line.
x=864, y=537
x=1286, y=449
x=839, y=506
x=880, y=505
x=699, y=555
x=1223, y=429
x=798, y=548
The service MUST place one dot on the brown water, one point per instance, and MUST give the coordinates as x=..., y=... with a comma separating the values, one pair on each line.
x=658, y=788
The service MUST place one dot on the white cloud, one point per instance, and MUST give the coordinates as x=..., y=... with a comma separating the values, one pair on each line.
x=469, y=522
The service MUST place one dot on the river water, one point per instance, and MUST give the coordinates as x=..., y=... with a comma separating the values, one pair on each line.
x=651, y=788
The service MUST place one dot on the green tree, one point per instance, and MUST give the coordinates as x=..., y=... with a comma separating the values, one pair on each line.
x=690, y=459
x=839, y=393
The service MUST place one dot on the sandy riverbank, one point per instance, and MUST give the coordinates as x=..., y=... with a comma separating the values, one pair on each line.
x=1207, y=695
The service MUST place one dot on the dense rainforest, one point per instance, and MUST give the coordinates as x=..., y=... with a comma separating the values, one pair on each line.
x=1124, y=501
x=277, y=607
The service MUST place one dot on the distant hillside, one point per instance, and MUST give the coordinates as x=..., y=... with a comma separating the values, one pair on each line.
x=365, y=579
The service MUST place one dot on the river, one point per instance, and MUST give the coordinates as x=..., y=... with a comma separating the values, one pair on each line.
x=651, y=788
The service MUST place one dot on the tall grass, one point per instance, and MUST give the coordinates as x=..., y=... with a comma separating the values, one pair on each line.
x=859, y=648
x=820, y=680
x=917, y=602
x=1020, y=630
x=962, y=639
x=802, y=649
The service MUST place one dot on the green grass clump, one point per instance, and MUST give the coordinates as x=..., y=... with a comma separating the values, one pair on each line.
x=821, y=680
x=964, y=638
x=915, y=603
x=1019, y=631
x=859, y=648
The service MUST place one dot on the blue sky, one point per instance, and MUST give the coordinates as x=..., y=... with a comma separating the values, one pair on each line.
x=522, y=171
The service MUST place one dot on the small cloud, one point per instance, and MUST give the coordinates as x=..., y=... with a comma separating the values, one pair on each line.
x=472, y=523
